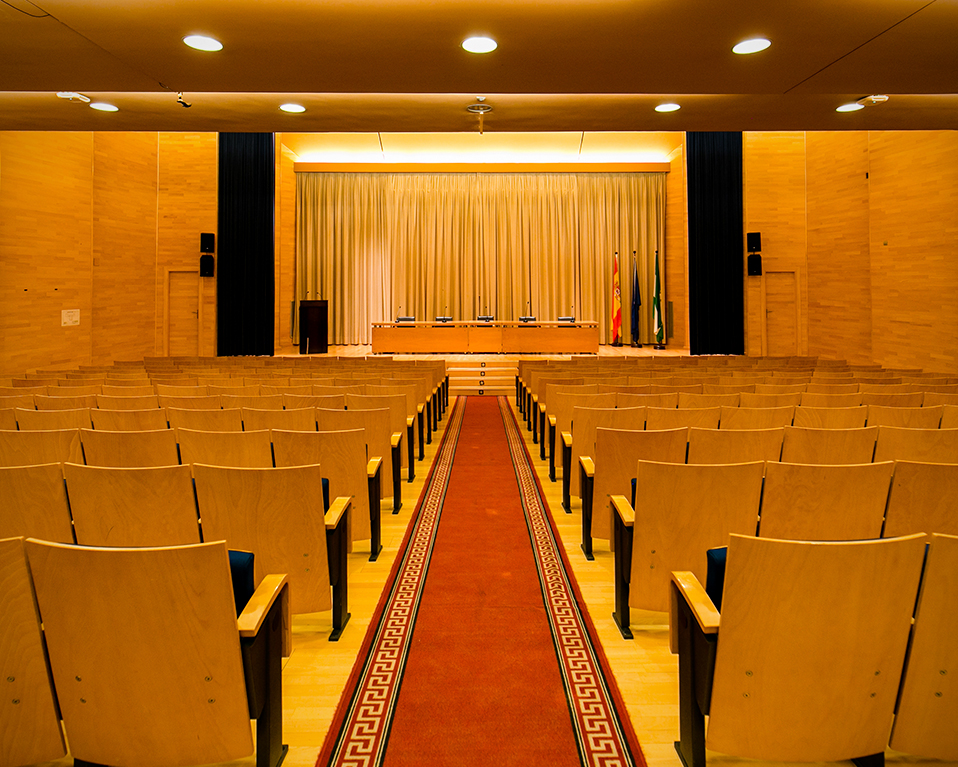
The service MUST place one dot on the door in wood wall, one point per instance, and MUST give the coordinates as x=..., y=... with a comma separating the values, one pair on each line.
x=183, y=323
x=781, y=313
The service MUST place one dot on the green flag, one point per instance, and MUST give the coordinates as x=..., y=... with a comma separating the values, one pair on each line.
x=657, y=323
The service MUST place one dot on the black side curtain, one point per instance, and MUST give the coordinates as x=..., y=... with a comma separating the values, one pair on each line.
x=716, y=295
x=244, y=274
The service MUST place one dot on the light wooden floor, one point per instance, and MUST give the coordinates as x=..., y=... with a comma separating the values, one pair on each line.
x=646, y=673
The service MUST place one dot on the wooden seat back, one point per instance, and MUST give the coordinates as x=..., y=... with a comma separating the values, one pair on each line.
x=829, y=446
x=196, y=402
x=923, y=498
x=585, y=422
x=129, y=420
x=755, y=417
x=814, y=387
x=625, y=399
x=205, y=420
x=278, y=515
x=30, y=448
x=398, y=418
x=47, y=420
x=824, y=503
x=64, y=401
x=144, y=402
x=905, y=417
x=342, y=458
x=375, y=424
x=769, y=400
x=330, y=402
x=920, y=445
x=616, y=454
x=146, y=506
x=31, y=724
x=735, y=445
x=708, y=400
x=244, y=449
x=12, y=401
x=300, y=419
x=928, y=703
x=8, y=419
x=831, y=417
x=35, y=503
x=851, y=399
x=658, y=418
x=258, y=402
x=167, y=390
x=682, y=511
x=811, y=646
x=115, y=388
x=144, y=640
x=890, y=399
x=129, y=448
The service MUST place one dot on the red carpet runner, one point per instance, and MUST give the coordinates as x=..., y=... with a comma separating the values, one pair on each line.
x=489, y=660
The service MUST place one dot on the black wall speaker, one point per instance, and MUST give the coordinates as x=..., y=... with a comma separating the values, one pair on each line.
x=206, y=265
x=754, y=265
x=207, y=242
x=753, y=241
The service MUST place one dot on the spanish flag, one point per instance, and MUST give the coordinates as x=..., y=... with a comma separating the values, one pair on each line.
x=616, y=304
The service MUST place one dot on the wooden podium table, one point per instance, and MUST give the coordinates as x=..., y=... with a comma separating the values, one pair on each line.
x=485, y=337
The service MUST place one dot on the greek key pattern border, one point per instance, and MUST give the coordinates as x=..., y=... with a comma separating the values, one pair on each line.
x=595, y=720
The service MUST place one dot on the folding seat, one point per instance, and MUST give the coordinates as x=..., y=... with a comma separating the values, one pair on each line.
x=35, y=503
x=216, y=419
x=129, y=420
x=735, y=445
x=129, y=448
x=829, y=446
x=921, y=445
x=755, y=417
x=246, y=449
x=831, y=417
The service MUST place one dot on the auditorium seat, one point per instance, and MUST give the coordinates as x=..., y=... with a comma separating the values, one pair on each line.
x=31, y=722
x=142, y=506
x=257, y=401
x=167, y=390
x=831, y=417
x=890, y=399
x=824, y=502
x=769, y=400
x=109, y=402
x=624, y=399
x=923, y=498
x=949, y=417
x=735, y=445
x=299, y=401
x=755, y=417
x=814, y=387
x=341, y=456
x=273, y=388
x=12, y=401
x=46, y=420
x=129, y=448
x=921, y=445
x=829, y=446
x=813, y=637
x=8, y=419
x=215, y=419
x=278, y=515
x=35, y=503
x=129, y=420
x=115, y=389
x=558, y=414
x=191, y=402
x=831, y=400
x=141, y=641
x=907, y=417
x=703, y=400
x=585, y=422
x=30, y=448
x=681, y=511
x=658, y=418
x=299, y=419
x=399, y=421
x=244, y=449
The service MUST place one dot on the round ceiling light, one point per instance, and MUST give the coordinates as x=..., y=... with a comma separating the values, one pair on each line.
x=293, y=109
x=203, y=43
x=751, y=46
x=102, y=106
x=668, y=108
x=852, y=107
x=479, y=44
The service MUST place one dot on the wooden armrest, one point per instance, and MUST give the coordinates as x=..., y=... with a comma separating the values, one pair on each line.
x=588, y=464
x=336, y=510
x=374, y=465
x=258, y=607
x=624, y=509
x=693, y=592
x=552, y=421
x=542, y=407
x=410, y=420
x=567, y=439
x=420, y=408
x=395, y=439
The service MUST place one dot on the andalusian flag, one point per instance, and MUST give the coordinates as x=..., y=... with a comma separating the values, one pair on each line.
x=616, y=303
x=657, y=323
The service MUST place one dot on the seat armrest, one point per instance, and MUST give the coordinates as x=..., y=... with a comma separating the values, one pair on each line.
x=395, y=439
x=374, y=465
x=567, y=439
x=337, y=509
x=410, y=420
x=588, y=465
x=271, y=588
x=624, y=509
x=419, y=408
x=687, y=587
x=542, y=407
x=552, y=421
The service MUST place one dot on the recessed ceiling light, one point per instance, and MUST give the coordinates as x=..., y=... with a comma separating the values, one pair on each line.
x=853, y=107
x=102, y=106
x=668, y=108
x=751, y=46
x=71, y=95
x=292, y=108
x=203, y=43
x=479, y=44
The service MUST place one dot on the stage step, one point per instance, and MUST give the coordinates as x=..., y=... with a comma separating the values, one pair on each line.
x=485, y=377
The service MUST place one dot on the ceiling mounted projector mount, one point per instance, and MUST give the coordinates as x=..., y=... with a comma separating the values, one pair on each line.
x=480, y=108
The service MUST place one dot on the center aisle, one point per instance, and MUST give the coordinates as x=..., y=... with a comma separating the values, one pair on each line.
x=480, y=654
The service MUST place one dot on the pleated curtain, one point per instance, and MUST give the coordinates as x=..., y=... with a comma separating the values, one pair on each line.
x=381, y=245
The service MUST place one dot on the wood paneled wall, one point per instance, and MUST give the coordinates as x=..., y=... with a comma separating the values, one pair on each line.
x=94, y=221
x=870, y=222
x=677, y=248
x=285, y=245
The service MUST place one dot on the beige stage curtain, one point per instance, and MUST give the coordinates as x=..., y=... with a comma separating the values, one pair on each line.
x=463, y=244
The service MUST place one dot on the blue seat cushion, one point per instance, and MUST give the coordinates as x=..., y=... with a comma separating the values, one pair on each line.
x=633, y=492
x=325, y=495
x=241, y=568
x=715, y=575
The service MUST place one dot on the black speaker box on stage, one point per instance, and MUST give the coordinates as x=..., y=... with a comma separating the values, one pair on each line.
x=207, y=242
x=755, y=265
x=753, y=241
x=207, y=267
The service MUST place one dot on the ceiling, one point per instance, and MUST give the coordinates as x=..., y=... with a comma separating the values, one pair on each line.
x=395, y=66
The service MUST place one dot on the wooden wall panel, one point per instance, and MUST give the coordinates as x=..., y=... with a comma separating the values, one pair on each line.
x=913, y=184
x=187, y=205
x=285, y=244
x=124, y=245
x=46, y=182
x=677, y=248
x=774, y=204
x=839, y=274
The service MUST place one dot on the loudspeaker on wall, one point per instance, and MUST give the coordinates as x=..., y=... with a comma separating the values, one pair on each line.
x=753, y=241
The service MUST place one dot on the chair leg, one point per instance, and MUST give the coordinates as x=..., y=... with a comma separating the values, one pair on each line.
x=623, y=573
x=587, y=483
x=566, y=477
x=696, y=665
x=552, y=452
x=375, y=517
x=337, y=548
x=397, y=479
x=412, y=453
x=422, y=434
